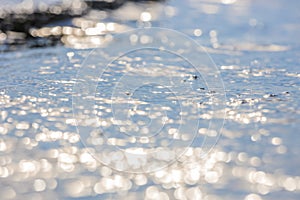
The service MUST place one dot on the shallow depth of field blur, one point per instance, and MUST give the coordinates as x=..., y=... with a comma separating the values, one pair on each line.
x=254, y=44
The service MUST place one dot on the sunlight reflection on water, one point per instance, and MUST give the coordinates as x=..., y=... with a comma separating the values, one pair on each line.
x=42, y=157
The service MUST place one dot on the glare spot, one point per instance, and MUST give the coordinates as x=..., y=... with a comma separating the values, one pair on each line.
x=197, y=32
x=22, y=126
x=211, y=177
x=27, y=166
x=146, y=16
x=163, y=196
x=255, y=137
x=51, y=184
x=74, y=188
x=107, y=183
x=179, y=193
x=70, y=54
x=242, y=157
x=140, y=179
x=3, y=130
x=172, y=131
x=3, y=146
x=255, y=161
x=281, y=149
x=133, y=38
x=144, y=140
x=145, y=39
x=98, y=188
x=176, y=175
x=110, y=26
x=4, y=172
x=213, y=33
x=39, y=185
x=290, y=184
x=253, y=197
x=71, y=120
x=194, y=193
x=152, y=192
x=106, y=171
x=228, y=1
x=3, y=36
x=276, y=141
x=86, y=158
x=263, y=189
x=170, y=11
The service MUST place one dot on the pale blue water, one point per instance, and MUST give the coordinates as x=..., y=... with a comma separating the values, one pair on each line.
x=254, y=44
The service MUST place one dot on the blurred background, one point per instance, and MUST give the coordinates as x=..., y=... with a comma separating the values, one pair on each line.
x=255, y=45
x=224, y=24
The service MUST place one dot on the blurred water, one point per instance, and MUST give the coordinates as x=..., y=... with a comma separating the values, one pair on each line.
x=254, y=44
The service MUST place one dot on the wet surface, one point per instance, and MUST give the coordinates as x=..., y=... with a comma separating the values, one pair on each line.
x=254, y=44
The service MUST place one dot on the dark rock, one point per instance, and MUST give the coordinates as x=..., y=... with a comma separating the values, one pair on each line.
x=104, y=5
x=20, y=23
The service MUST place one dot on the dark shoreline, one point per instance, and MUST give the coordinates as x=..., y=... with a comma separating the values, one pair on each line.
x=17, y=26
